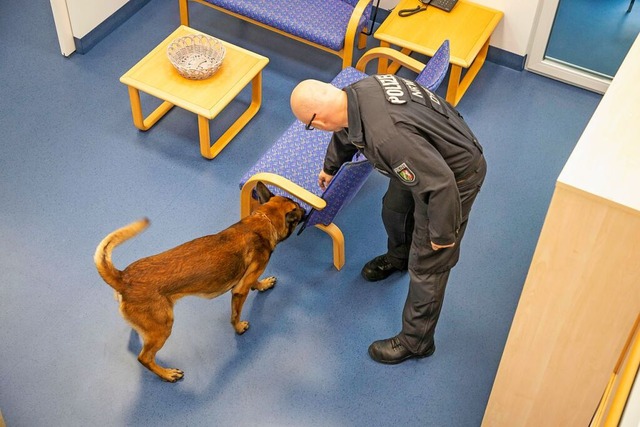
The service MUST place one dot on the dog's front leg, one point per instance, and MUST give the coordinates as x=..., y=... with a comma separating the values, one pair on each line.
x=240, y=292
x=238, y=298
x=264, y=284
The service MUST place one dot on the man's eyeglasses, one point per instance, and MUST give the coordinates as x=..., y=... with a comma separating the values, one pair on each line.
x=308, y=125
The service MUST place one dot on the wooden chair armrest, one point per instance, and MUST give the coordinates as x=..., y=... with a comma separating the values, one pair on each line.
x=390, y=54
x=350, y=36
x=280, y=182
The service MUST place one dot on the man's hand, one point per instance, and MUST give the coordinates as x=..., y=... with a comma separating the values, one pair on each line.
x=324, y=179
x=438, y=247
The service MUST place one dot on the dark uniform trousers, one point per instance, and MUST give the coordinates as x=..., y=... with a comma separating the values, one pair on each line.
x=428, y=269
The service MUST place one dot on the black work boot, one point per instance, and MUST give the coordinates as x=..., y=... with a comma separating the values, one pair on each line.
x=378, y=268
x=391, y=351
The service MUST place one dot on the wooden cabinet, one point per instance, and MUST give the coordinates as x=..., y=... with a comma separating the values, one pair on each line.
x=582, y=294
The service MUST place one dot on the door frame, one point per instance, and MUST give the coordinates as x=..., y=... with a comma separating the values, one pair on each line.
x=63, y=26
x=537, y=63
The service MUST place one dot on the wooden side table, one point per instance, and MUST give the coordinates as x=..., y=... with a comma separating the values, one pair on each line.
x=468, y=27
x=155, y=75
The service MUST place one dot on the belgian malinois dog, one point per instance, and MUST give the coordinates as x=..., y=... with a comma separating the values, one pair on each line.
x=209, y=266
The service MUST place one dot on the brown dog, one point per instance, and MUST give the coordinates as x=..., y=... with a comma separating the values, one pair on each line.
x=206, y=267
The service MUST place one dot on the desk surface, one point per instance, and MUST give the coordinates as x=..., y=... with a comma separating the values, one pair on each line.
x=155, y=75
x=606, y=159
x=467, y=27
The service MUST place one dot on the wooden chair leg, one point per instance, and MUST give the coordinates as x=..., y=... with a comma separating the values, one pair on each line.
x=338, y=243
x=183, y=6
x=362, y=41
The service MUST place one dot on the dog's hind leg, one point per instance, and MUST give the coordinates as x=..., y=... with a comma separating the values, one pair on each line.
x=153, y=322
x=153, y=342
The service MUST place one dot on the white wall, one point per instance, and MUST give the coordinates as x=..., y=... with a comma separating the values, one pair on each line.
x=77, y=18
x=515, y=29
x=85, y=15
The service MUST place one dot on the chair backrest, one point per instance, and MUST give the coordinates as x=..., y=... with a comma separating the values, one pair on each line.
x=343, y=187
x=433, y=73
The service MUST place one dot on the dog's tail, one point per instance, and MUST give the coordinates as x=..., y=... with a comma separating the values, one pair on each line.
x=102, y=257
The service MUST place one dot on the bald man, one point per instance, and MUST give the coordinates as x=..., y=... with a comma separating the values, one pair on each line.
x=435, y=168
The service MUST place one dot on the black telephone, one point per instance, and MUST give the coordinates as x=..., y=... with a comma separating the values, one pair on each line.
x=446, y=5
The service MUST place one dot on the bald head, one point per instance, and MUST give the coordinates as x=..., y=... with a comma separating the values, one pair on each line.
x=327, y=102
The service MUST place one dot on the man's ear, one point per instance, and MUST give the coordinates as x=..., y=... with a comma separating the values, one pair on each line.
x=263, y=192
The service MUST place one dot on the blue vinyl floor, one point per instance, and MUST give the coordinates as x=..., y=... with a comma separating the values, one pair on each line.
x=73, y=168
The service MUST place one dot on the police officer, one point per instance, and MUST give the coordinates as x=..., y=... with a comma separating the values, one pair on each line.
x=436, y=167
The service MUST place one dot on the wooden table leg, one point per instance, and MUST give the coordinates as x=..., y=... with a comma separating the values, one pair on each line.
x=383, y=63
x=136, y=110
x=395, y=66
x=458, y=87
x=209, y=150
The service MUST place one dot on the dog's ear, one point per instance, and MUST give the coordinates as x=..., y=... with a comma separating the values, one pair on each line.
x=263, y=192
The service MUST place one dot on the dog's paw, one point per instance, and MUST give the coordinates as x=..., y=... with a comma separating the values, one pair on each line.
x=241, y=327
x=172, y=375
x=266, y=283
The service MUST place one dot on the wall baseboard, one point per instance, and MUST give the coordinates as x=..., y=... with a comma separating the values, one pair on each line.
x=87, y=42
x=495, y=55
x=506, y=58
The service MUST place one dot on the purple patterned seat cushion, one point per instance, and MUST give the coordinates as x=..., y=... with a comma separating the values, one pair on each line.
x=298, y=154
x=295, y=156
x=321, y=21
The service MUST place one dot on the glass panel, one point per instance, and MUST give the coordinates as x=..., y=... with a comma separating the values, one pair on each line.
x=593, y=35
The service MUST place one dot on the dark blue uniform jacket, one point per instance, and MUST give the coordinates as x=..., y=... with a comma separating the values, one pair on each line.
x=415, y=136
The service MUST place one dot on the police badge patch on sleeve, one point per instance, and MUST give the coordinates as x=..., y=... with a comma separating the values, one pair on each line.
x=405, y=173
